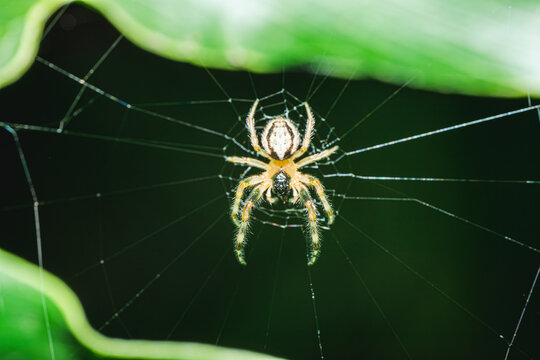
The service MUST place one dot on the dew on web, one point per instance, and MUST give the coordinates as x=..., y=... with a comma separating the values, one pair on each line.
x=412, y=261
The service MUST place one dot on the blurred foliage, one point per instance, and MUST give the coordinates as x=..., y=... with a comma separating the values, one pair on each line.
x=27, y=293
x=478, y=47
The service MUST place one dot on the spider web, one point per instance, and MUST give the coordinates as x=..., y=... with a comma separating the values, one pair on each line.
x=116, y=175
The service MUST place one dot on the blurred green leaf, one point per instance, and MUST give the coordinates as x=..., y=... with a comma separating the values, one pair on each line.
x=476, y=47
x=21, y=25
x=26, y=294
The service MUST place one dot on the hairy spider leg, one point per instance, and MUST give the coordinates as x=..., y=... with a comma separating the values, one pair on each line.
x=251, y=200
x=313, y=181
x=253, y=133
x=295, y=195
x=313, y=226
x=250, y=181
x=316, y=157
x=307, y=135
x=269, y=197
x=246, y=161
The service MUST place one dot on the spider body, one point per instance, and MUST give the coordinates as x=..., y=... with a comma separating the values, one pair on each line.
x=280, y=145
x=282, y=185
x=280, y=138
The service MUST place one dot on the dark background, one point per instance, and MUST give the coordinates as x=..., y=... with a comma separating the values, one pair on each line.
x=204, y=295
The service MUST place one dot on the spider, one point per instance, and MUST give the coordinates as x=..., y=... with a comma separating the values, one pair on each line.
x=280, y=140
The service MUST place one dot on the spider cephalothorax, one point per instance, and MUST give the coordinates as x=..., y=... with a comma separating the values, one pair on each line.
x=282, y=185
x=280, y=141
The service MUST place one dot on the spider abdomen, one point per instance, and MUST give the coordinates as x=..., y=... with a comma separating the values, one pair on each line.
x=280, y=138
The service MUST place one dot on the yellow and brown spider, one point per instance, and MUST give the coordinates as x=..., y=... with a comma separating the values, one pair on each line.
x=280, y=140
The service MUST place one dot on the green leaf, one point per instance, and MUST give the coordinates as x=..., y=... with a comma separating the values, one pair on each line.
x=27, y=293
x=21, y=24
x=475, y=47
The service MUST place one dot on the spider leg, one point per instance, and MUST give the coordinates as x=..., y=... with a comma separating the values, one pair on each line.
x=246, y=161
x=251, y=200
x=295, y=195
x=269, y=197
x=313, y=226
x=253, y=132
x=316, y=157
x=250, y=181
x=307, y=136
x=313, y=181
